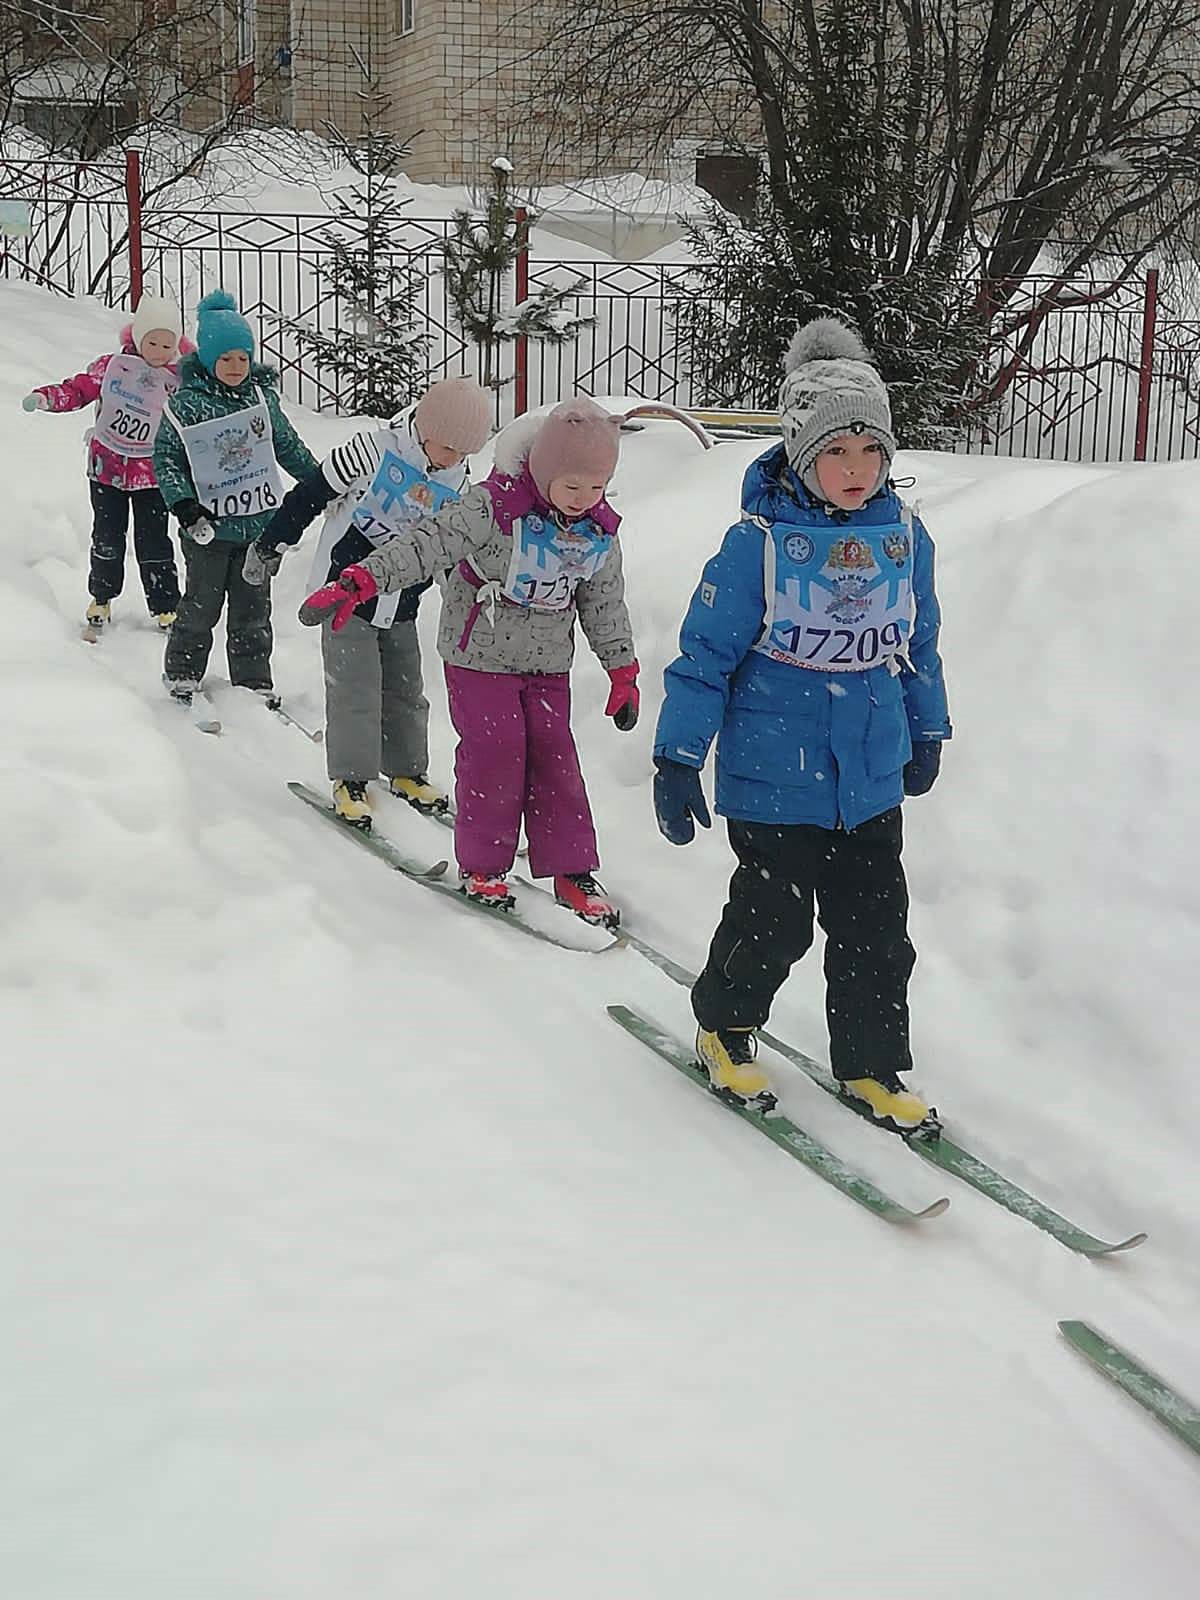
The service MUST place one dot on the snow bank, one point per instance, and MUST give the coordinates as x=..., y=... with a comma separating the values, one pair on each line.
x=351, y=1251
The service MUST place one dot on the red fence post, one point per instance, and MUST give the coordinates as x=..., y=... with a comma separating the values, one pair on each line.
x=1146, y=368
x=133, y=210
x=521, y=353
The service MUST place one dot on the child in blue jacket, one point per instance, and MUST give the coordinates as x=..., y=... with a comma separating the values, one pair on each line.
x=810, y=648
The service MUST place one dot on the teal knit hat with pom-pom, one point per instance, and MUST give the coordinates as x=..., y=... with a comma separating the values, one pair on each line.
x=220, y=327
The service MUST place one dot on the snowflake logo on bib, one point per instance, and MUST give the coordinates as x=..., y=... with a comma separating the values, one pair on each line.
x=798, y=547
x=538, y=539
x=146, y=380
x=849, y=602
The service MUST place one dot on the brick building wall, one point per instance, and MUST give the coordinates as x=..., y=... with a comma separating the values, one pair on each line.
x=459, y=76
x=329, y=37
x=461, y=83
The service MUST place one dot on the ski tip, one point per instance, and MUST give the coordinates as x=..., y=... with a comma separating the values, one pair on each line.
x=1131, y=1243
x=933, y=1210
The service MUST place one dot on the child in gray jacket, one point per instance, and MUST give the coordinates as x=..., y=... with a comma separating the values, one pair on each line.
x=532, y=549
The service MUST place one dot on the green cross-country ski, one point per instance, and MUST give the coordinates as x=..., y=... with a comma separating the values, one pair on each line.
x=1119, y=1367
x=798, y=1144
x=943, y=1152
x=433, y=877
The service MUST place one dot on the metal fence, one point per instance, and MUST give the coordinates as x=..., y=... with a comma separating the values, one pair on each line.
x=1096, y=369
x=82, y=216
x=275, y=266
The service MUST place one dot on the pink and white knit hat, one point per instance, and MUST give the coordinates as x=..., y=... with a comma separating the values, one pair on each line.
x=578, y=438
x=456, y=412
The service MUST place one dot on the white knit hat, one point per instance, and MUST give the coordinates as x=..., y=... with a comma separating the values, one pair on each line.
x=155, y=313
x=830, y=388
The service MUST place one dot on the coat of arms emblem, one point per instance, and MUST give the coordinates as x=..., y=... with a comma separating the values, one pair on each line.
x=850, y=555
x=896, y=548
x=234, y=451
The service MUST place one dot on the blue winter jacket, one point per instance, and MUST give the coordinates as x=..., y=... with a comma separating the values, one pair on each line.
x=796, y=745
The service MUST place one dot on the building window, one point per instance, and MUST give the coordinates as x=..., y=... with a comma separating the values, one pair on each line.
x=406, y=15
x=76, y=127
x=245, y=31
x=732, y=178
x=47, y=14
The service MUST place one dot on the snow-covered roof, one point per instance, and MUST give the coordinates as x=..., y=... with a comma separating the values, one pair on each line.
x=75, y=82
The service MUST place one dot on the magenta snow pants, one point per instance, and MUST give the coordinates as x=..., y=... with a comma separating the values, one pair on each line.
x=515, y=758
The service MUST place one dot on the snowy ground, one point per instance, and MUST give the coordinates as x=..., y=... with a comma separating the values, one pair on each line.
x=351, y=1251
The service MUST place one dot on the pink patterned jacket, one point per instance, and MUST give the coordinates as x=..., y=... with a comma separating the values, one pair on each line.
x=130, y=473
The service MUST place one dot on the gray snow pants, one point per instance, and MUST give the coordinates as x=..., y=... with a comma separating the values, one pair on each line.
x=214, y=573
x=376, y=713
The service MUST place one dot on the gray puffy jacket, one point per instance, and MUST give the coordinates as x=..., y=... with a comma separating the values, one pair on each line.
x=505, y=637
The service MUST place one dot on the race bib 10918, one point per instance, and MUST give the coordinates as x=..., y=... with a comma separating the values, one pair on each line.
x=233, y=463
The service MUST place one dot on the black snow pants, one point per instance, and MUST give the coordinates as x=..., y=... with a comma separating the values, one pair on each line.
x=151, y=545
x=856, y=878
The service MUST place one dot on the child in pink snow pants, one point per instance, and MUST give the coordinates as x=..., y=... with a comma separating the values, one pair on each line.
x=516, y=758
x=532, y=549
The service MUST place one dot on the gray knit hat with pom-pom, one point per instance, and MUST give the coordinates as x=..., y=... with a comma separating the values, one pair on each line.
x=830, y=387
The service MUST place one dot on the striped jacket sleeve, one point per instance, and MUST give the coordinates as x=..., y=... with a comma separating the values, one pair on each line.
x=352, y=465
x=347, y=467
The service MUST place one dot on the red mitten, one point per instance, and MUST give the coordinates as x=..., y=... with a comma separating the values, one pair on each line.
x=623, y=697
x=352, y=589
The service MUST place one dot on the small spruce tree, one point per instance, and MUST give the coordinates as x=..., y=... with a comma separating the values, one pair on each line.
x=378, y=355
x=480, y=259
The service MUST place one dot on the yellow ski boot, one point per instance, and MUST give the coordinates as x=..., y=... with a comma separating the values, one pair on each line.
x=164, y=620
x=889, y=1102
x=98, y=612
x=727, y=1055
x=420, y=794
x=351, y=803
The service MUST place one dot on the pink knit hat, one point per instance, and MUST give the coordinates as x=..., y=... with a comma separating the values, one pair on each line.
x=577, y=437
x=454, y=412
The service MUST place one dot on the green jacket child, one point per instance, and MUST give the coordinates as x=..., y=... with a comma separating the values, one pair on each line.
x=221, y=442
